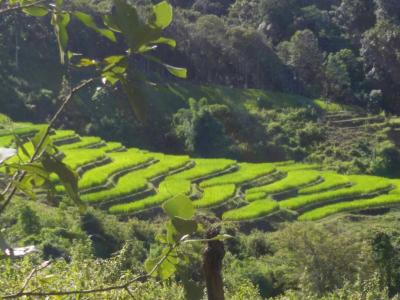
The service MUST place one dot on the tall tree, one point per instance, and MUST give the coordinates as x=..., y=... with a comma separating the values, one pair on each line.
x=302, y=53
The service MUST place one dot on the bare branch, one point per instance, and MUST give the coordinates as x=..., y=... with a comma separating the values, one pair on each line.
x=32, y=274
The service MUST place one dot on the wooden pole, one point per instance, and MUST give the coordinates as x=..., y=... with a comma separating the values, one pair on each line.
x=212, y=266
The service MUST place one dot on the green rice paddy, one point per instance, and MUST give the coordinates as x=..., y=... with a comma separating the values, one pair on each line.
x=246, y=173
x=293, y=180
x=363, y=185
x=254, y=210
x=215, y=195
x=136, y=180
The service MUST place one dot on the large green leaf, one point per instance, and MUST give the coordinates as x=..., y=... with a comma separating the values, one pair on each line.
x=136, y=33
x=25, y=186
x=88, y=21
x=164, y=271
x=68, y=177
x=87, y=62
x=64, y=20
x=33, y=168
x=163, y=14
x=177, y=72
x=166, y=41
x=36, y=11
x=179, y=206
x=184, y=226
x=37, y=139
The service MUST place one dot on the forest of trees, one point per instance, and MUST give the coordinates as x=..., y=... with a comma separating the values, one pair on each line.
x=342, y=51
x=346, y=51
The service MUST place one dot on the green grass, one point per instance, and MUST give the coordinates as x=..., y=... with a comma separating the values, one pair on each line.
x=215, y=195
x=173, y=187
x=168, y=163
x=127, y=185
x=246, y=173
x=331, y=181
x=167, y=190
x=85, y=142
x=21, y=129
x=293, y=180
x=120, y=161
x=111, y=147
x=205, y=167
x=254, y=210
x=298, y=167
x=254, y=196
x=363, y=185
x=76, y=158
x=328, y=106
x=393, y=198
x=137, y=181
x=63, y=134
x=172, y=96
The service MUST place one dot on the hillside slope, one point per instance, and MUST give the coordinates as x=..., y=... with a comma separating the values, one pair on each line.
x=136, y=182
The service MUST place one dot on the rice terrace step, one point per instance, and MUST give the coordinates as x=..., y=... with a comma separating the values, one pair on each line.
x=135, y=182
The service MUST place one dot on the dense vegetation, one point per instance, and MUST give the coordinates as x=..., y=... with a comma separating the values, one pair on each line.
x=132, y=181
x=341, y=51
x=279, y=155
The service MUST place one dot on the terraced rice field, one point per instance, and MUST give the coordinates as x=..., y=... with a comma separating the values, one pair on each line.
x=131, y=181
x=293, y=180
x=253, y=210
x=245, y=173
x=215, y=195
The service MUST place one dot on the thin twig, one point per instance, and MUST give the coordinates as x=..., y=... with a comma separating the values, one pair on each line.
x=32, y=273
x=19, y=176
x=20, y=7
x=124, y=286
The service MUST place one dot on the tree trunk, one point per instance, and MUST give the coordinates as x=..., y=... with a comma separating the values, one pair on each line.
x=212, y=266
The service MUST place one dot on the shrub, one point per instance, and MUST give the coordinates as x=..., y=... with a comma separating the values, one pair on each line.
x=28, y=220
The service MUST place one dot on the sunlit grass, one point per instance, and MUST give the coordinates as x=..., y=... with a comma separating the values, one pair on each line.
x=76, y=158
x=392, y=198
x=112, y=147
x=63, y=134
x=137, y=181
x=363, y=185
x=205, y=167
x=293, y=180
x=254, y=210
x=85, y=142
x=297, y=167
x=120, y=161
x=331, y=181
x=247, y=172
x=21, y=129
x=215, y=195
x=167, y=190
